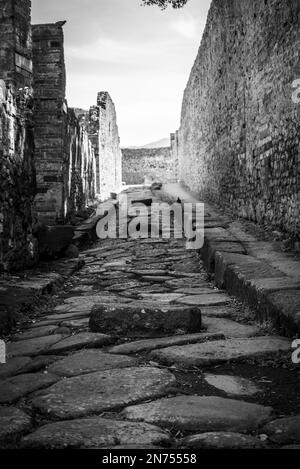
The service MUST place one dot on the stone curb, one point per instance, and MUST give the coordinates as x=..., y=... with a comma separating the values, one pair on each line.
x=274, y=295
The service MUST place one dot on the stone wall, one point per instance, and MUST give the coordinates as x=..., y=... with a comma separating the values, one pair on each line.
x=65, y=160
x=151, y=164
x=238, y=142
x=15, y=42
x=17, y=173
x=104, y=135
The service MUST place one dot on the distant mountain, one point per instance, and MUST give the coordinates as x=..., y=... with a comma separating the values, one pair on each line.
x=164, y=142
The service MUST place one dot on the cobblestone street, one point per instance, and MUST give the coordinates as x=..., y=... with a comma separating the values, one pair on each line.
x=139, y=349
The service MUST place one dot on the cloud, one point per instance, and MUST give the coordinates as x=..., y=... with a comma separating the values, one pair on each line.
x=186, y=27
x=105, y=49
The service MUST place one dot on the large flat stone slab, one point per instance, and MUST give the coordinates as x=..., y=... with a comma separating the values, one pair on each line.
x=231, y=329
x=161, y=297
x=221, y=440
x=208, y=299
x=232, y=385
x=284, y=431
x=144, y=317
x=13, y=422
x=157, y=343
x=201, y=413
x=220, y=351
x=89, y=361
x=12, y=389
x=81, y=340
x=102, y=391
x=96, y=433
x=32, y=347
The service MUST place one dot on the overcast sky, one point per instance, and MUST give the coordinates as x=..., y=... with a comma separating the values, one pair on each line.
x=141, y=55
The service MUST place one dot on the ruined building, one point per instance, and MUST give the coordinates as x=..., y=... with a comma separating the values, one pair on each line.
x=104, y=134
x=150, y=164
x=54, y=160
x=238, y=142
x=17, y=170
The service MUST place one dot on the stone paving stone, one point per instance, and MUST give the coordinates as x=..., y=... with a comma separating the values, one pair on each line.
x=153, y=344
x=13, y=366
x=284, y=431
x=96, y=433
x=156, y=273
x=102, y=391
x=89, y=361
x=161, y=297
x=81, y=340
x=196, y=290
x=201, y=413
x=221, y=440
x=223, y=311
x=35, y=332
x=231, y=329
x=156, y=279
x=210, y=299
x=13, y=422
x=12, y=389
x=186, y=283
x=32, y=347
x=76, y=323
x=141, y=317
x=233, y=385
x=213, y=353
x=21, y=365
x=123, y=286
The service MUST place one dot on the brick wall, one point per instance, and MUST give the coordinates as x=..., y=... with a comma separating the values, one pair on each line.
x=154, y=164
x=238, y=143
x=65, y=160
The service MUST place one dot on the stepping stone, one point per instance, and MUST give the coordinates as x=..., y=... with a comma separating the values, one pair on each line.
x=284, y=431
x=89, y=361
x=156, y=273
x=12, y=389
x=153, y=344
x=231, y=329
x=103, y=391
x=161, y=297
x=196, y=291
x=13, y=422
x=220, y=440
x=234, y=385
x=78, y=341
x=35, y=332
x=220, y=351
x=210, y=299
x=32, y=347
x=140, y=317
x=201, y=413
x=95, y=432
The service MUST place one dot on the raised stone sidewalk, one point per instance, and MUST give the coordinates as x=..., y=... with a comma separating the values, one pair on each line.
x=255, y=271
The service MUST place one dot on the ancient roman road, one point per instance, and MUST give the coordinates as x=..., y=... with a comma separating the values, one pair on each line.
x=140, y=350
